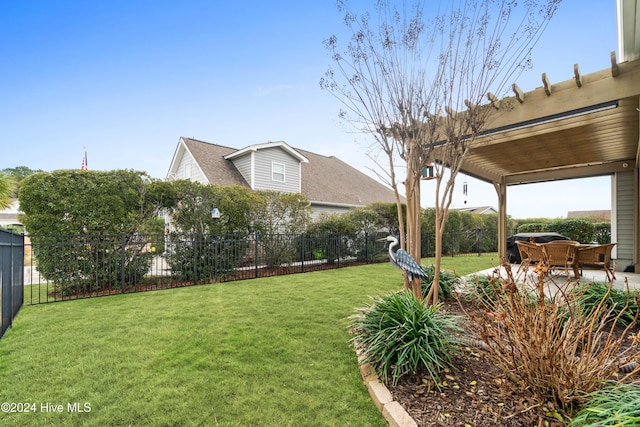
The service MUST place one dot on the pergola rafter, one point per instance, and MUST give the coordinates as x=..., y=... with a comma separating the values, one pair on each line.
x=586, y=126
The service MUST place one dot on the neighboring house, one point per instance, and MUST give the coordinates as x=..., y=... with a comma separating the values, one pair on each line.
x=479, y=210
x=331, y=185
x=9, y=216
x=599, y=215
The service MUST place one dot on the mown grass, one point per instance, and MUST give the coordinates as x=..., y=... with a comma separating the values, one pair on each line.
x=262, y=352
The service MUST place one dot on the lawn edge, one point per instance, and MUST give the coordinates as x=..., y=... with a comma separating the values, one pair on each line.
x=391, y=410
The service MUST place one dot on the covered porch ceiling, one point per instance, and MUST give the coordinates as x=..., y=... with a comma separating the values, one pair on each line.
x=585, y=126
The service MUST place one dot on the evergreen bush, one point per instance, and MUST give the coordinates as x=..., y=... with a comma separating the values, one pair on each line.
x=399, y=335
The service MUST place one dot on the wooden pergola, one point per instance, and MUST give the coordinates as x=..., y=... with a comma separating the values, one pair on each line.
x=583, y=127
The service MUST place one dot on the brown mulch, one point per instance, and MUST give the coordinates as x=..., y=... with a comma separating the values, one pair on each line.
x=473, y=393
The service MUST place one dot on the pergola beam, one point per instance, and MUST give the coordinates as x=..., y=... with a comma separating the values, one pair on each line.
x=599, y=87
x=570, y=172
x=545, y=84
x=615, y=70
x=519, y=93
x=577, y=74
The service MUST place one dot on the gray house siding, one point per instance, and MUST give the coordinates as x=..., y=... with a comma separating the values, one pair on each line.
x=331, y=185
x=188, y=169
x=263, y=166
x=243, y=164
x=622, y=228
x=319, y=209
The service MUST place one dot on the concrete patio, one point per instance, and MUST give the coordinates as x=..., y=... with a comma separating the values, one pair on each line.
x=560, y=279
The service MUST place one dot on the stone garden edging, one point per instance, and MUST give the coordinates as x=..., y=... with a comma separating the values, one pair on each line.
x=391, y=410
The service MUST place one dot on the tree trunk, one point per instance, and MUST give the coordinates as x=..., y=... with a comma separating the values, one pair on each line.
x=434, y=291
x=414, y=214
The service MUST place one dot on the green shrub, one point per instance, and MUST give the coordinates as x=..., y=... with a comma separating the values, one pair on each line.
x=400, y=335
x=615, y=405
x=80, y=263
x=616, y=303
x=533, y=227
x=602, y=233
x=485, y=290
x=447, y=281
x=580, y=230
x=199, y=258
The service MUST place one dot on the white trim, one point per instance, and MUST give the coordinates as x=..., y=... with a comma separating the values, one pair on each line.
x=628, y=17
x=284, y=172
x=252, y=183
x=171, y=174
x=335, y=205
x=177, y=157
x=256, y=147
x=614, y=212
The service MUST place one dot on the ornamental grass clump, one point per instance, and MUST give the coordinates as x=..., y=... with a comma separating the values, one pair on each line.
x=550, y=345
x=399, y=335
x=618, y=302
x=614, y=405
x=446, y=283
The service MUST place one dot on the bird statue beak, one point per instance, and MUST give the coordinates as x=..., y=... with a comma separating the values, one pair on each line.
x=381, y=240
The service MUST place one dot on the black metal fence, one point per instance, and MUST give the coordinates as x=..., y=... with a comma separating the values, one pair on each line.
x=11, y=276
x=83, y=266
x=466, y=242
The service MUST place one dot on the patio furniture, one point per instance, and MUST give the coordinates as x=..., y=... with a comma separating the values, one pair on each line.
x=513, y=252
x=598, y=256
x=562, y=253
x=530, y=252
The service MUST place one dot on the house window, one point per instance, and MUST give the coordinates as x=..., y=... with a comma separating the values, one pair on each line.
x=187, y=171
x=277, y=172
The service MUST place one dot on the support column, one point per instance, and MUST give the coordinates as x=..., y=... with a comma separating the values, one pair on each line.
x=636, y=219
x=501, y=190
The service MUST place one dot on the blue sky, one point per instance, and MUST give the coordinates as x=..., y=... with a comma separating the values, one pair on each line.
x=126, y=79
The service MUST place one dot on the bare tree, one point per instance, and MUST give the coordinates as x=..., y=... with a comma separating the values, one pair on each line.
x=414, y=74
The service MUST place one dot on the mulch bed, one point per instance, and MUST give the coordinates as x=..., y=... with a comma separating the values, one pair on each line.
x=474, y=393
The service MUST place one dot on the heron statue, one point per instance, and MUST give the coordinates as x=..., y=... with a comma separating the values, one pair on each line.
x=403, y=260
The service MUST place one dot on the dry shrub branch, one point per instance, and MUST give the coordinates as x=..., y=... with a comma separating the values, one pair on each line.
x=549, y=344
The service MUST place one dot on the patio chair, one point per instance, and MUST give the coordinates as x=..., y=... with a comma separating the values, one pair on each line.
x=530, y=252
x=562, y=254
x=598, y=256
x=566, y=242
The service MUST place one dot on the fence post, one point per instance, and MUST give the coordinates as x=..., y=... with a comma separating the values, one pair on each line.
x=428, y=245
x=9, y=288
x=302, y=252
x=122, y=262
x=366, y=247
x=195, y=258
x=257, y=236
x=479, y=235
x=453, y=243
x=339, y=245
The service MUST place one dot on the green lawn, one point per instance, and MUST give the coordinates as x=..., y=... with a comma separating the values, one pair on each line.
x=260, y=352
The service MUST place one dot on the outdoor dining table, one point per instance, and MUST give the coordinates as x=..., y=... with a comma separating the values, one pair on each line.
x=596, y=255
x=570, y=255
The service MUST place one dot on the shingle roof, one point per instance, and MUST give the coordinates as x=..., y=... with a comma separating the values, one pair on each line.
x=210, y=158
x=324, y=179
x=478, y=210
x=329, y=179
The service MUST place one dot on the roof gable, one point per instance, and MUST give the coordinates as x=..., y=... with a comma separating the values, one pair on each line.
x=210, y=159
x=325, y=180
x=478, y=210
x=279, y=144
